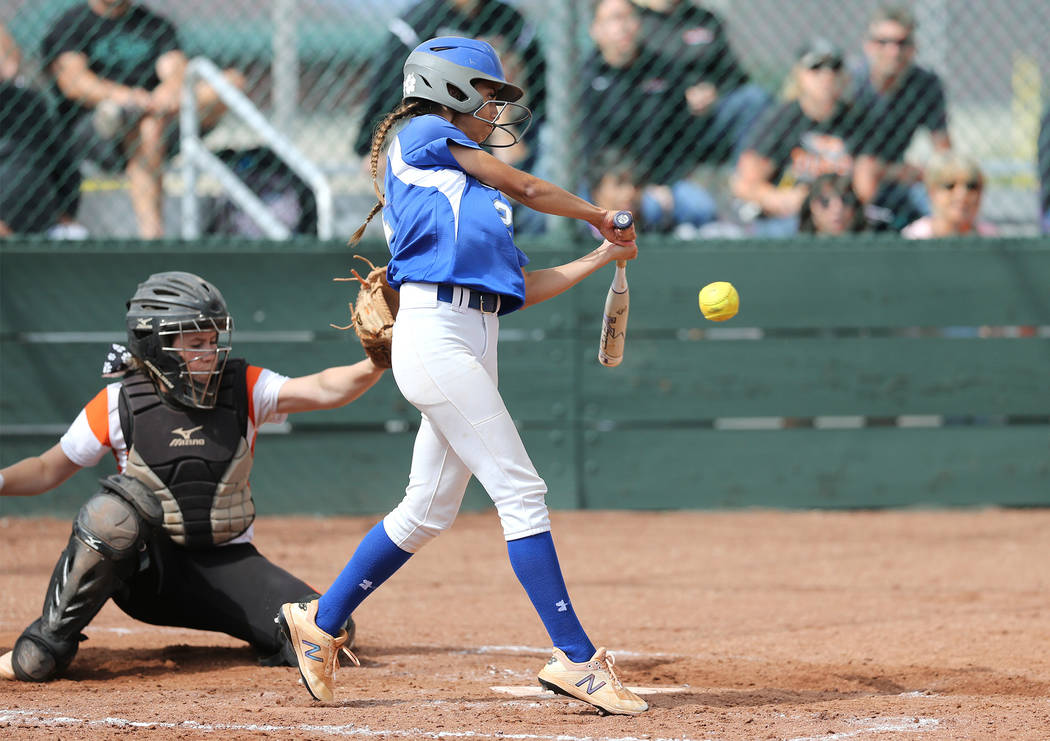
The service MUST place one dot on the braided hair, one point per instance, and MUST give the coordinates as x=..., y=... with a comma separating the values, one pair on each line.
x=404, y=110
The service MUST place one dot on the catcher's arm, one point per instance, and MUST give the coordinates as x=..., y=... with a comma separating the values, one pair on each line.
x=37, y=474
x=328, y=389
x=541, y=285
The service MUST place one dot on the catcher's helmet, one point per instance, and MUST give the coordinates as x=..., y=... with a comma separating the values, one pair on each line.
x=166, y=307
x=444, y=69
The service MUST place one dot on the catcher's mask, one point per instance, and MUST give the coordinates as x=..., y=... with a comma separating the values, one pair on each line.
x=444, y=70
x=180, y=329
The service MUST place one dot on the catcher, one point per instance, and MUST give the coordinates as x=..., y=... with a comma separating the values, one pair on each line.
x=169, y=537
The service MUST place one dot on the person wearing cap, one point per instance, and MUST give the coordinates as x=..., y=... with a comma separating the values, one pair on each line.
x=813, y=132
x=898, y=97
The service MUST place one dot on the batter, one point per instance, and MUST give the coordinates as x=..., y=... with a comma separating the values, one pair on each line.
x=453, y=258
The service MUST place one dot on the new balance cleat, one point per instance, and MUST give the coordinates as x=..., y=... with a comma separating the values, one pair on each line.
x=316, y=651
x=594, y=682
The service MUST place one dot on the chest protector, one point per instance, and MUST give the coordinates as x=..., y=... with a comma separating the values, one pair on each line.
x=196, y=461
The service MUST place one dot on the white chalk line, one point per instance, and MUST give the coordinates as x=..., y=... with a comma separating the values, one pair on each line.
x=540, y=651
x=536, y=690
x=142, y=628
x=36, y=718
x=886, y=725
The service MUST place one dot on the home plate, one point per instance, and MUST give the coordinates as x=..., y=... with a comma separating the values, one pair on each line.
x=534, y=690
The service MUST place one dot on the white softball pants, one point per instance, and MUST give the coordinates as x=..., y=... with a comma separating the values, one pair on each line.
x=444, y=363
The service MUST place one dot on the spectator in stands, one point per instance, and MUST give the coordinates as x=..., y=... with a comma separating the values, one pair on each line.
x=636, y=100
x=614, y=182
x=955, y=184
x=724, y=103
x=118, y=72
x=831, y=207
x=1044, y=171
x=491, y=20
x=898, y=97
x=812, y=133
x=38, y=186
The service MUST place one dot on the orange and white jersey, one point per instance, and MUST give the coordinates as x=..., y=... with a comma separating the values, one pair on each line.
x=96, y=429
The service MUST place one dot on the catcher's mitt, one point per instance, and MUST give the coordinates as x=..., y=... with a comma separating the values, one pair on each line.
x=372, y=316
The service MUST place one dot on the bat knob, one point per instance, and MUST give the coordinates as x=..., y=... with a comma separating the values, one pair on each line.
x=623, y=219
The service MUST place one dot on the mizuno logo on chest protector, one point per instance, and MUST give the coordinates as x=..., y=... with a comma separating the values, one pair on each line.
x=182, y=437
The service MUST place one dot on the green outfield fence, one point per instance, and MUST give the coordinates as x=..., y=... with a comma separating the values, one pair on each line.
x=321, y=71
x=870, y=372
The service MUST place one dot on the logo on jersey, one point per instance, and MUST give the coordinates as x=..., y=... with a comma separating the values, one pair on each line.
x=505, y=214
x=184, y=437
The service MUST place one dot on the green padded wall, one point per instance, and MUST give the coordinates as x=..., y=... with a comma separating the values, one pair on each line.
x=793, y=403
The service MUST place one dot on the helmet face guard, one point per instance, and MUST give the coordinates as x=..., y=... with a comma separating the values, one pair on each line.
x=180, y=329
x=444, y=70
x=200, y=359
x=513, y=119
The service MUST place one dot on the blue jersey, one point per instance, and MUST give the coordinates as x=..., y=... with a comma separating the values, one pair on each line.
x=444, y=226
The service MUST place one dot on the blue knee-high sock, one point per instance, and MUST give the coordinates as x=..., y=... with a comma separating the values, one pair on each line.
x=535, y=563
x=374, y=561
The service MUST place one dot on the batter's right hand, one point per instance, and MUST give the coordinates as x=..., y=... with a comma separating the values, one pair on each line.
x=617, y=236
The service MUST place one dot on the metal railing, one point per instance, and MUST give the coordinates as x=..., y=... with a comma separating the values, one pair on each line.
x=196, y=158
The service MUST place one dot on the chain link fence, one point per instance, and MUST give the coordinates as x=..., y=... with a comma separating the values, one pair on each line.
x=742, y=118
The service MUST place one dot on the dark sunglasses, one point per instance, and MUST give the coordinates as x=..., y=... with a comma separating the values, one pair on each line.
x=970, y=185
x=884, y=41
x=833, y=64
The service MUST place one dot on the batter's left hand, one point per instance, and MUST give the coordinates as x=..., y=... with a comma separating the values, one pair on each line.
x=618, y=236
x=613, y=251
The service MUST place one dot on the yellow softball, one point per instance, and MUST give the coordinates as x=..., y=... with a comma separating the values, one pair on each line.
x=719, y=301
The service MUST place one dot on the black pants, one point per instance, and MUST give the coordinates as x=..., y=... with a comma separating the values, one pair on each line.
x=231, y=589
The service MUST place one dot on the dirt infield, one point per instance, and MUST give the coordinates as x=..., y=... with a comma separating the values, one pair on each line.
x=763, y=625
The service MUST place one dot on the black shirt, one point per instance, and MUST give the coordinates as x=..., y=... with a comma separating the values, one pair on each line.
x=124, y=50
x=29, y=168
x=641, y=110
x=696, y=38
x=1044, y=167
x=892, y=118
x=801, y=148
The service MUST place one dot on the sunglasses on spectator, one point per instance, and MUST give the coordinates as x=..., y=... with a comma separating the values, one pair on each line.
x=970, y=185
x=834, y=65
x=887, y=41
